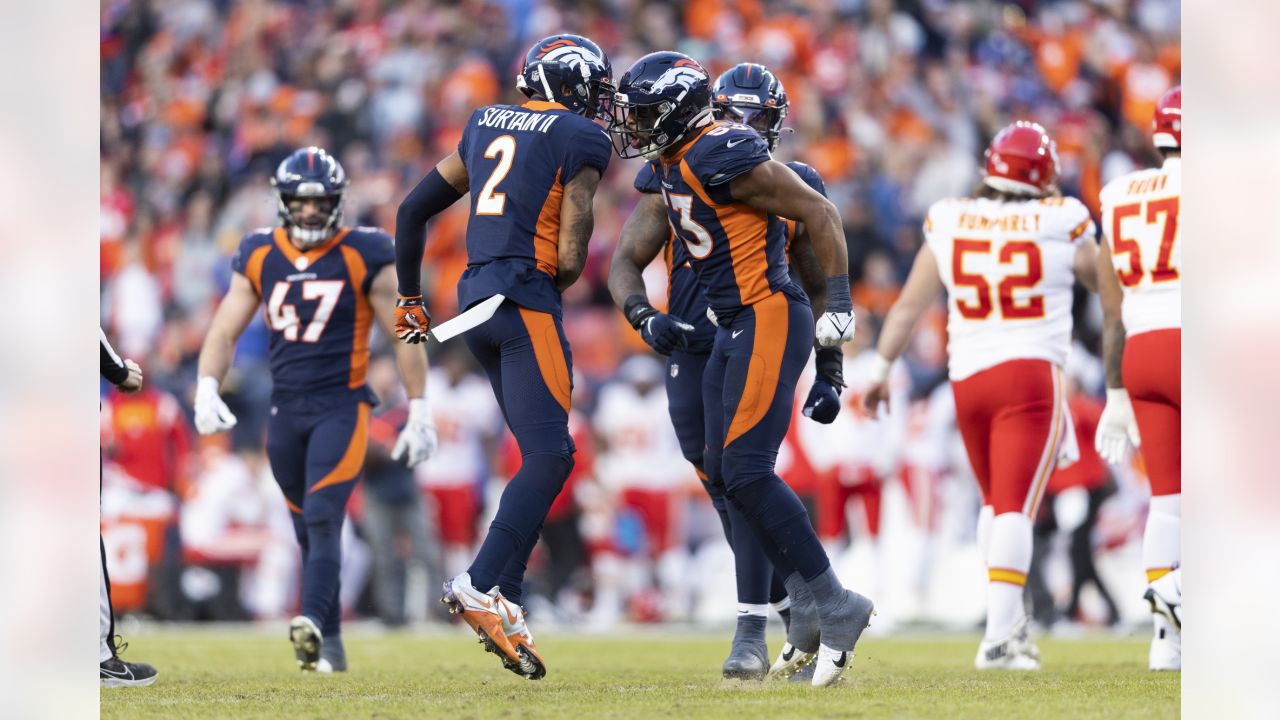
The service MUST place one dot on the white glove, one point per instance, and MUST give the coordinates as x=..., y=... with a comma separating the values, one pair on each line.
x=418, y=439
x=1116, y=428
x=212, y=414
x=834, y=328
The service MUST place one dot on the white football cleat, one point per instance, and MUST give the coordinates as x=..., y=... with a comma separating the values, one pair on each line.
x=829, y=666
x=307, y=641
x=1165, y=597
x=1015, y=652
x=790, y=661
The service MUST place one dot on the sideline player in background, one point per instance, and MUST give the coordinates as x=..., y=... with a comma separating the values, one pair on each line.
x=723, y=196
x=112, y=671
x=1008, y=259
x=748, y=93
x=1140, y=278
x=323, y=285
x=534, y=169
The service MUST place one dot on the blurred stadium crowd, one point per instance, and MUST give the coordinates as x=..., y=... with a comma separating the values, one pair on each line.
x=892, y=102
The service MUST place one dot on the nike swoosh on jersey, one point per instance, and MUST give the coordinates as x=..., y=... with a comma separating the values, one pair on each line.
x=738, y=141
x=735, y=333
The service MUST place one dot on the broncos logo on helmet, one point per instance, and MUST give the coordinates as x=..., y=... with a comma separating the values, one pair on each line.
x=683, y=76
x=660, y=99
x=570, y=70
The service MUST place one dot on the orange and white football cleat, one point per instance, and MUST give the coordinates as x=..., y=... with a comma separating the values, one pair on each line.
x=513, y=624
x=480, y=611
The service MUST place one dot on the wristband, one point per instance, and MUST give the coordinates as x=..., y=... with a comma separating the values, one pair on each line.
x=637, y=308
x=838, y=298
x=880, y=368
x=1117, y=395
x=829, y=364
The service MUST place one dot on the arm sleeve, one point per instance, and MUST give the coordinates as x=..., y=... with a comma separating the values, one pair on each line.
x=112, y=367
x=428, y=198
x=589, y=148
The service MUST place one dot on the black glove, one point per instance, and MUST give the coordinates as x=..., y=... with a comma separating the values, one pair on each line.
x=660, y=331
x=823, y=403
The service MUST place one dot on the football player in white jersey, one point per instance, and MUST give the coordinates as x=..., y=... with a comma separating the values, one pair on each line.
x=1140, y=282
x=1008, y=259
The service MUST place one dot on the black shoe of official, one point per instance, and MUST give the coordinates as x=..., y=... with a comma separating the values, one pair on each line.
x=114, y=672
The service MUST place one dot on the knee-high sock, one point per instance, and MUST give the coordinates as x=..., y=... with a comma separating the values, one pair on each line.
x=985, y=516
x=1162, y=542
x=520, y=513
x=1008, y=559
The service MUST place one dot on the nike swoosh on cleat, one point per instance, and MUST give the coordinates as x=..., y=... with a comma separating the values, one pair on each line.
x=788, y=654
x=127, y=674
x=844, y=657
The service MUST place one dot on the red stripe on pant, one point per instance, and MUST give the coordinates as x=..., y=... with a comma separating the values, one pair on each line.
x=1010, y=417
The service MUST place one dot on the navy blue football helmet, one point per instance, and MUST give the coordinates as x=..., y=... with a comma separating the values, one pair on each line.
x=749, y=93
x=310, y=173
x=660, y=99
x=570, y=70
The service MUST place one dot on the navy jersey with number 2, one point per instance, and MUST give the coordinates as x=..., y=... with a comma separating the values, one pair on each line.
x=519, y=158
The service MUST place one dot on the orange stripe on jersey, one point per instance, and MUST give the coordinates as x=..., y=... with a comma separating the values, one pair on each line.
x=746, y=230
x=1081, y=228
x=253, y=268
x=766, y=362
x=546, y=236
x=679, y=154
x=357, y=271
x=312, y=255
x=292, y=508
x=540, y=105
x=352, y=462
x=1004, y=575
x=548, y=352
x=792, y=227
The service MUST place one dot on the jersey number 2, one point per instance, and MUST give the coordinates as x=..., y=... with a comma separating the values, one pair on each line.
x=489, y=202
x=283, y=317
x=1010, y=308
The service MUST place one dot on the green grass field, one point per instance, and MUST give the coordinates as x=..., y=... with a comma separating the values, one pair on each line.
x=246, y=673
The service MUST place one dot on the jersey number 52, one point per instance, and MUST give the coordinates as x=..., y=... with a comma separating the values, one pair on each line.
x=1010, y=308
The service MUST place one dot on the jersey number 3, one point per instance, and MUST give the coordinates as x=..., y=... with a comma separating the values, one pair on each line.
x=700, y=246
x=489, y=202
x=283, y=317
x=1010, y=308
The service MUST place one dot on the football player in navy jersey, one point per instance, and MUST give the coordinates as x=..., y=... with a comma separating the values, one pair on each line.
x=323, y=285
x=751, y=94
x=725, y=199
x=532, y=171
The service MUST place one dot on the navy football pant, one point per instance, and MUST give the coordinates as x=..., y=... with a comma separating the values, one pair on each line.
x=685, y=371
x=750, y=382
x=526, y=356
x=316, y=446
